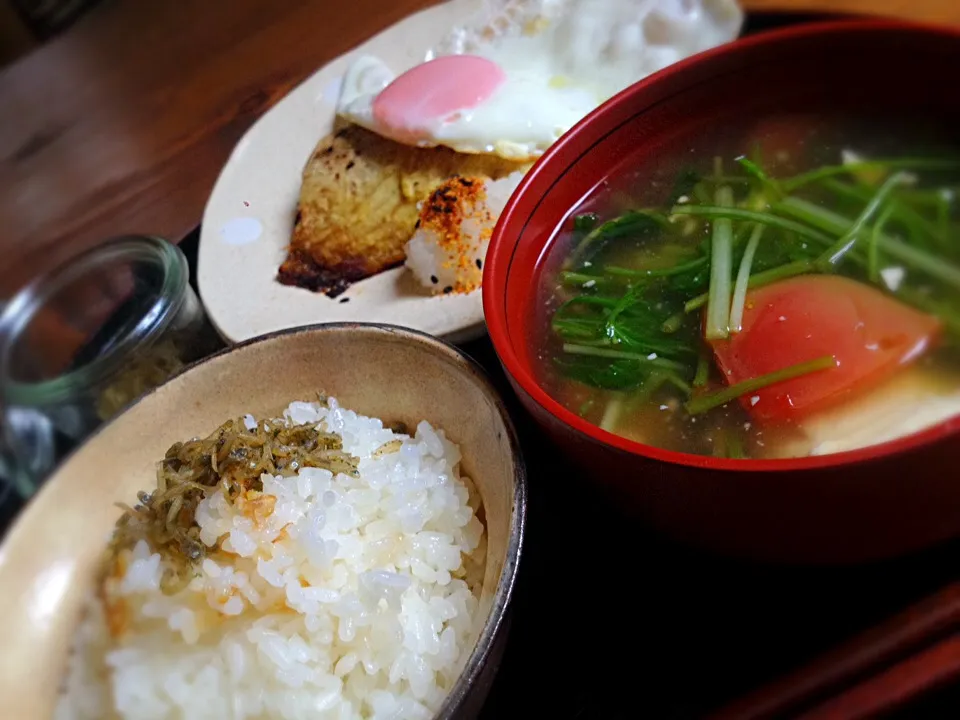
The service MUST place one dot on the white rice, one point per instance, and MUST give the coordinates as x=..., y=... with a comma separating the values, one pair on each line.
x=355, y=598
x=447, y=251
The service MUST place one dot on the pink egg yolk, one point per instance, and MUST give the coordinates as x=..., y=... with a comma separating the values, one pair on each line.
x=435, y=92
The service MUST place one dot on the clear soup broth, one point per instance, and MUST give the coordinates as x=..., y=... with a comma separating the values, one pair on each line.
x=785, y=289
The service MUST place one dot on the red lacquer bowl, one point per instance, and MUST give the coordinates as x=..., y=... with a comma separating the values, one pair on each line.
x=882, y=501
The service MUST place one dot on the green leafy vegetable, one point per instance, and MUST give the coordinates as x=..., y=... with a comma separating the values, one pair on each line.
x=836, y=252
x=643, y=291
x=743, y=279
x=585, y=223
x=631, y=224
x=707, y=402
x=721, y=262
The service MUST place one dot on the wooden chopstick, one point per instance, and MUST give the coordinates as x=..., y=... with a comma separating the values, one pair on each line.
x=945, y=12
x=924, y=623
x=927, y=670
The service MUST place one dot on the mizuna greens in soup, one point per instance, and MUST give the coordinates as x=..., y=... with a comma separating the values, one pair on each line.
x=793, y=292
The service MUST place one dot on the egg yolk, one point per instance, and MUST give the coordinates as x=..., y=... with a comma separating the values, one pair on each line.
x=435, y=92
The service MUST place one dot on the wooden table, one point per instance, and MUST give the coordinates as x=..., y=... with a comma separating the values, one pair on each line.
x=122, y=123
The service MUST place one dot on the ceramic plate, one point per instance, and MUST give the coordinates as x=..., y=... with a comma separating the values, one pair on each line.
x=249, y=217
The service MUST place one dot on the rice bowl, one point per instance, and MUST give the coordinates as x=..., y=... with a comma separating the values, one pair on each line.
x=448, y=628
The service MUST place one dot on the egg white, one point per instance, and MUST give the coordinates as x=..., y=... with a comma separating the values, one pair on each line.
x=522, y=118
x=561, y=58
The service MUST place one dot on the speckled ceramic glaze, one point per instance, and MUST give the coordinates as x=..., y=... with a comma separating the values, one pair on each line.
x=47, y=560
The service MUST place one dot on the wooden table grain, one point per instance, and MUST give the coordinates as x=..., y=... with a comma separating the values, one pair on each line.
x=122, y=123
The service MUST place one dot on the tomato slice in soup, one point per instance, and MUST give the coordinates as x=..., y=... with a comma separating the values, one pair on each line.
x=869, y=334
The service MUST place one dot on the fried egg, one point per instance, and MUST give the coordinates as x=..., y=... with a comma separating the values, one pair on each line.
x=514, y=83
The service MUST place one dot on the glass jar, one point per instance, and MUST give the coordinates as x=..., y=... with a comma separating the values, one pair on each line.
x=79, y=344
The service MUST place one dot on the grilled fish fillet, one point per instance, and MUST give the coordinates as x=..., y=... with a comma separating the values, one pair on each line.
x=358, y=205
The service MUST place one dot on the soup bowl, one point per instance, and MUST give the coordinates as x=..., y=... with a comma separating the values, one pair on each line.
x=865, y=504
x=49, y=558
